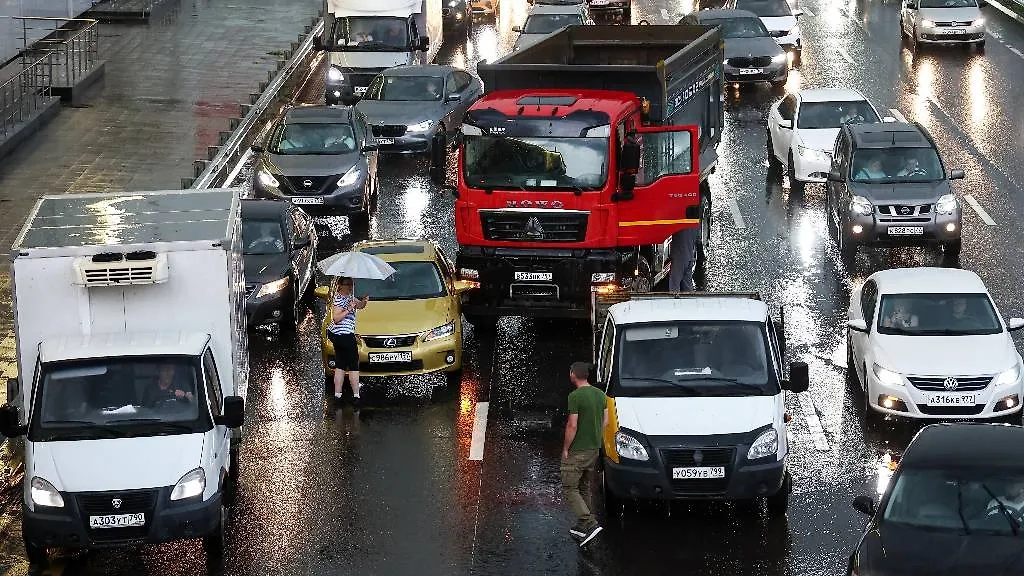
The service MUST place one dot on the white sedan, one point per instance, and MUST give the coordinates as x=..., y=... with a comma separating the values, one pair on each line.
x=803, y=126
x=928, y=343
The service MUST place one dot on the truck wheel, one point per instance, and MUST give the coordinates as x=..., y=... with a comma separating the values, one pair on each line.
x=484, y=324
x=778, y=503
x=359, y=224
x=213, y=543
x=639, y=274
x=36, y=555
x=613, y=505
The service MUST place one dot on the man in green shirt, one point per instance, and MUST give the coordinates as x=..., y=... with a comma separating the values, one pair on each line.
x=588, y=415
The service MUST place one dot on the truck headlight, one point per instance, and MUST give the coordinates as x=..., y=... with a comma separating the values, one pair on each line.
x=602, y=277
x=1006, y=377
x=334, y=75
x=273, y=287
x=44, y=494
x=887, y=377
x=420, y=126
x=628, y=447
x=350, y=177
x=861, y=205
x=469, y=274
x=767, y=444
x=191, y=485
x=946, y=204
x=440, y=332
x=267, y=179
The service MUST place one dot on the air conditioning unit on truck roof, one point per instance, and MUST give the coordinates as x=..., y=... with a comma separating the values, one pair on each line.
x=114, y=269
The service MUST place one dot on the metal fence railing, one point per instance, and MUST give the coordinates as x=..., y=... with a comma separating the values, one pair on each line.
x=26, y=91
x=75, y=41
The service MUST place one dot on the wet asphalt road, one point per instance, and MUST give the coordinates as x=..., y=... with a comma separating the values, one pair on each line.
x=392, y=491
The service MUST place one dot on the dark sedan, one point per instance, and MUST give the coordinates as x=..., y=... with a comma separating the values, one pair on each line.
x=751, y=54
x=322, y=159
x=279, y=248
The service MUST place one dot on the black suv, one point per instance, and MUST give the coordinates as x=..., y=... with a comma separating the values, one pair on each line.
x=889, y=187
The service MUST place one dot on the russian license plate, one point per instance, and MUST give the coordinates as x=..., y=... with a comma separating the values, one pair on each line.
x=698, y=473
x=906, y=230
x=952, y=400
x=117, y=520
x=954, y=31
x=534, y=276
x=381, y=357
x=385, y=141
x=746, y=71
x=360, y=90
x=306, y=200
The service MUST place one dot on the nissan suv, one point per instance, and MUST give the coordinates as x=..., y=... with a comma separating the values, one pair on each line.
x=888, y=187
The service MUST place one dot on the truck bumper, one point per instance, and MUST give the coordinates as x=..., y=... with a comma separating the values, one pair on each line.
x=69, y=528
x=649, y=483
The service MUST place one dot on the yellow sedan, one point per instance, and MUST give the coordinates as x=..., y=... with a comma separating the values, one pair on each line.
x=413, y=322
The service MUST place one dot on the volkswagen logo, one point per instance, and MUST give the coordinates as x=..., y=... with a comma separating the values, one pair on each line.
x=950, y=383
x=116, y=503
x=698, y=457
x=905, y=210
x=390, y=343
x=533, y=228
x=307, y=183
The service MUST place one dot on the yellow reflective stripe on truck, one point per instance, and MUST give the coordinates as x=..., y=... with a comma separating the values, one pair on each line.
x=660, y=222
x=609, y=432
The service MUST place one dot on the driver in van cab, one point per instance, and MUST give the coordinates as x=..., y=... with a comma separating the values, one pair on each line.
x=169, y=386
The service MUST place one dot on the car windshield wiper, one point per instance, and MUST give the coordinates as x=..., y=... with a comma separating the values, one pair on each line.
x=960, y=507
x=730, y=380
x=900, y=331
x=1014, y=525
x=691, y=389
x=156, y=422
x=80, y=428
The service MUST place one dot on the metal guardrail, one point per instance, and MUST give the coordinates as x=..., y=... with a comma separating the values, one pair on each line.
x=75, y=42
x=25, y=92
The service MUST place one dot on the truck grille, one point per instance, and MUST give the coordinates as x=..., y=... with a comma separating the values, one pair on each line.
x=533, y=291
x=533, y=227
x=750, y=62
x=389, y=130
x=684, y=457
x=382, y=341
x=938, y=383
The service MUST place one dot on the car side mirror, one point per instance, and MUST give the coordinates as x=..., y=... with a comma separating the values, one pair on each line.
x=799, y=377
x=1013, y=324
x=423, y=44
x=322, y=292
x=257, y=148
x=864, y=504
x=234, y=412
x=453, y=97
x=629, y=157
x=834, y=176
x=369, y=148
x=518, y=29
x=888, y=119
x=301, y=242
x=10, y=426
x=318, y=44
x=858, y=325
x=798, y=13
x=982, y=3
x=956, y=174
x=788, y=124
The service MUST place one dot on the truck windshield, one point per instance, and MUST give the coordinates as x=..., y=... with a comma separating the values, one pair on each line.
x=889, y=165
x=387, y=33
x=728, y=358
x=579, y=163
x=116, y=397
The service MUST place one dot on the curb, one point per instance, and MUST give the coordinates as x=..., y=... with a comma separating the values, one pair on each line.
x=1007, y=10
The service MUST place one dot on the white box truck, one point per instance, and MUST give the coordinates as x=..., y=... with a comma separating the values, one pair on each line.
x=129, y=316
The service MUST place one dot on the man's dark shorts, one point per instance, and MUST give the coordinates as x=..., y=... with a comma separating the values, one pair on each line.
x=346, y=352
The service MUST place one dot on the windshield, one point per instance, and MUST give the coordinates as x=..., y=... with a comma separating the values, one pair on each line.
x=958, y=500
x=548, y=23
x=532, y=163
x=313, y=138
x=938, y=315
x=896, y=165
x=821, y=115
x=766, y=8
x=262, y=237
x=105, y=397
x=695, y=359
x=949, y=4
x=385, y=33
x=411, y=281
x=406, y=88
x=739, y=27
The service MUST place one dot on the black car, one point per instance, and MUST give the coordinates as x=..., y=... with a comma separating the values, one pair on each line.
x=279, y=257
x=888, y=187
x=751, y=53
x=456, y=16
x=954, y=506
x=322, y=159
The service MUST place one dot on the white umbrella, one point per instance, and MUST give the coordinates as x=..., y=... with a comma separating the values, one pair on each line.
x=356, y=265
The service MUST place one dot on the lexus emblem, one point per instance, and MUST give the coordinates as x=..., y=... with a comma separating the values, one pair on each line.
x=307, y=183
x=390, y=343
x=698, y=457
x=905, y=210
x=533, y=228
x=116, y=503
x=950, y=383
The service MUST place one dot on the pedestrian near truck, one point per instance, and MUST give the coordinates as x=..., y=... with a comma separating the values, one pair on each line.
x=683, y=255
x=588, y=416
x=342, y=334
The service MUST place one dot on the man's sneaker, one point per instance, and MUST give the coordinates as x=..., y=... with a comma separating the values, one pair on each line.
x=357, y=403
x=594, y=531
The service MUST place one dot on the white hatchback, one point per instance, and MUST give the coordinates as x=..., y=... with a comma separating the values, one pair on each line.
x=929, y=343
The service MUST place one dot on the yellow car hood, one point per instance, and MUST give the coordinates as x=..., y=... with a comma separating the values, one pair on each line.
x=392, y=317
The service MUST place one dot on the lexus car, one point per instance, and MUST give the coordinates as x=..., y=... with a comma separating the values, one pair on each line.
x=751, y=54
x=322, y=159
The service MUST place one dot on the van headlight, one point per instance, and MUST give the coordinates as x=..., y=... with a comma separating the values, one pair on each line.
x=191, y=485
x=273, y=287
x=267, y=179
x=44, y=494
x=334, y=75
x=440, y=332
x=420, y=126
x=887, y=377
x=946, y=204
x=628, y=447
x=1007, y=377
x=350, y=177
x=861, y=205
x=767, y=444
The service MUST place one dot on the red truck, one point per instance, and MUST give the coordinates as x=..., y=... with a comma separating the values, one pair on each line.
x=590, y=150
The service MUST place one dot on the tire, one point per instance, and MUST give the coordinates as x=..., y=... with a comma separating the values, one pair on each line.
x=37, y=556
x=871, y=416
x=640, y=274
x=979, y=47
x=453, y=378
x=847, y=246
x=773, y=161
x=778, y=503
x=290, y=313
x=780, y=84
x=795, y=185
x=852, y=379
x=359, y=224
x=613, y=505
x=951, y=249
x=214, y=543
x=233, y=464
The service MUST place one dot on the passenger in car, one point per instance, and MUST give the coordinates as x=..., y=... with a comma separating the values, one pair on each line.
x=900, y=317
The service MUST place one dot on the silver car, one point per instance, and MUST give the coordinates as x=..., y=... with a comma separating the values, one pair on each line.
x=943, y=22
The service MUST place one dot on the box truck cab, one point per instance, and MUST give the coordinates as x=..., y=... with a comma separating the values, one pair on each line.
x=130, y=328
x=364, y=37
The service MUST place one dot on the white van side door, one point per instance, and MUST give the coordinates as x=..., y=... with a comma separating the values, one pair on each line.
x=215, y=398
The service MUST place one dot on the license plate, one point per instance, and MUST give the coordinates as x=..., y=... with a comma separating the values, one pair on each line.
x=906, y=230
x=533, y=276
x=698, y=473
x=745, y=71
x=301, y=200
x=385, y=141
x=952, y=400
x=954, y=31
x=117, y=520
x=360, y=90
x=380, y=357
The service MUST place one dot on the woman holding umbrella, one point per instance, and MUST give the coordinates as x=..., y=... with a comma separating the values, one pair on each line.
x=342, y=333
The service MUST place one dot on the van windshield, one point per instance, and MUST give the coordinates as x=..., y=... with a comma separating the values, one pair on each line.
x=118, y=397
x=371, y=33
x=728, y=358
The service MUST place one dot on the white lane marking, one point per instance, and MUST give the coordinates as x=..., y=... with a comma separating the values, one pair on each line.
x=665, y=16
x=1015, y=51
x=736, y=216
x=238, y=168
x=808, y=12
x=844, y=54
x=981, y=211
x=476, y=446
x=898, y=115
x=813, y=423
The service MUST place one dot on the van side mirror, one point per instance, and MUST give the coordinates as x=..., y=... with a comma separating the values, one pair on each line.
x=956, y=174
x=858, y=325
x=1013, y=324
x=10, y=426
x=799, y=377
x=322, y=292
x=423, y=44
x=629, y=157
x=835, y=176
x=864, y=504
x=234, y=412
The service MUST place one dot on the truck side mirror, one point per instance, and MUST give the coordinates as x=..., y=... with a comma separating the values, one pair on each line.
x=799, y=377
x=423, y=44
x=9, y=422
x=956, y=174
x=234, y=412
x=629, y=157
x=864, y=504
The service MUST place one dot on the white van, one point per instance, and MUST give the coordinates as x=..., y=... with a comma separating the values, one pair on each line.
x=364, y=37
x=131, y=340
x=696, y=400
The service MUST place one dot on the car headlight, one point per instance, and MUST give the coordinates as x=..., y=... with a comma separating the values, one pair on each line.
x=628, y=447
x=861, y=205
x=267, y=179
x=1007, y=377
x=191, y=485
x=946, y=204
x=273, y=287
x=887, y=377
x=599, y=277
x=795, y=31
x=812, y=153
x=420, y=126
x=469, y=274
x=44, y=494
x=767, y=444
x=780, y=58
x=453, y=3
x=927, y=24
x=440, y=332
x=335, y=75
x=349, y=178
x=978, y=22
